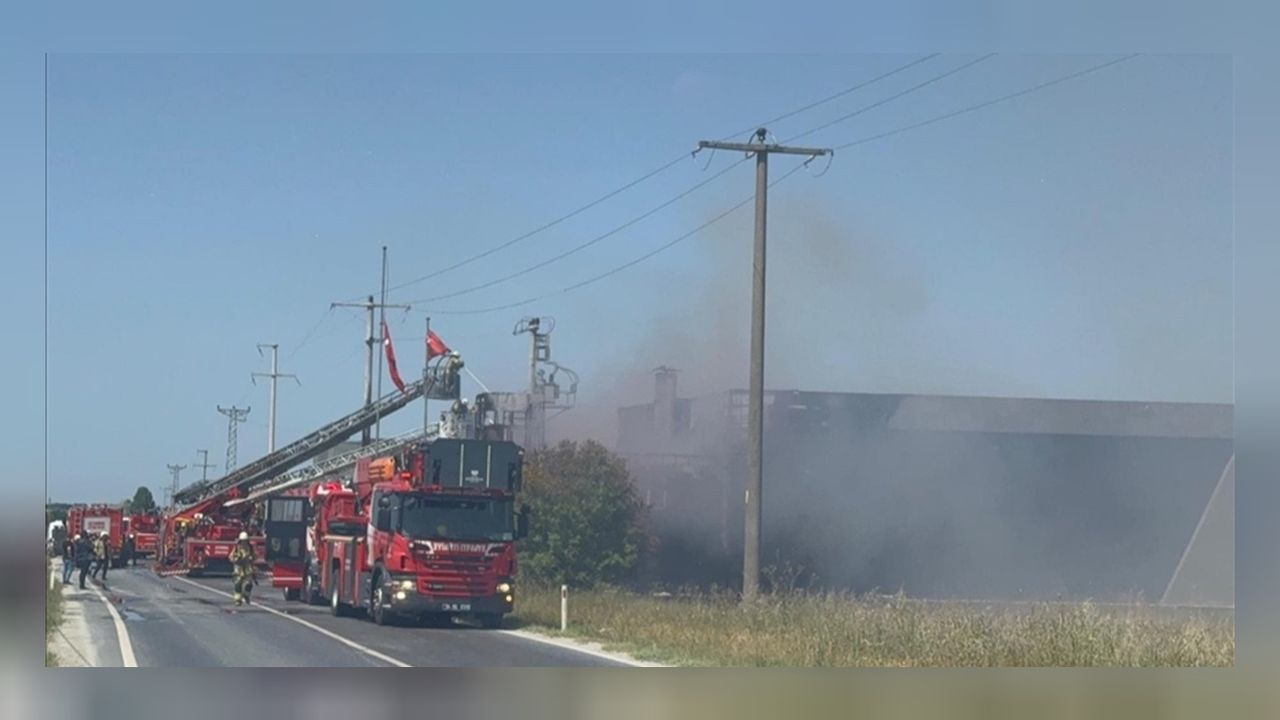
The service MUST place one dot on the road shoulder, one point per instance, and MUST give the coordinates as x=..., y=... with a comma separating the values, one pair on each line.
x=72, y=642
x=582, y=646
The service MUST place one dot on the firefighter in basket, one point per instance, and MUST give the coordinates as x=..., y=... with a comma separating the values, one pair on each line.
x=242, y=562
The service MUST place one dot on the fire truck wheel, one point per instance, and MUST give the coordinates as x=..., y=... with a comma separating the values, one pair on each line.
x=336, y=607
x=378, y=608
x=310, y=594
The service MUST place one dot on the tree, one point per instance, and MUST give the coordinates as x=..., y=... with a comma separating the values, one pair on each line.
x=587, y=524
x=142, y=500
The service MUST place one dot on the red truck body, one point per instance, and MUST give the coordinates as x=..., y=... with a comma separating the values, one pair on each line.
x=199, y=539
x=100, y=518
x=428, y=533
x=145, y=528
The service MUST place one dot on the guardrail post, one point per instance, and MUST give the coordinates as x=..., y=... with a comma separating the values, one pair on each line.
x=564, y=607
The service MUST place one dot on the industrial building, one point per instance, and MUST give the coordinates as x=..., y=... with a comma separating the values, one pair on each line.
x=944, y=496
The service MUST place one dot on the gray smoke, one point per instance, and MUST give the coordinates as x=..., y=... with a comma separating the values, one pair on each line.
x=858, y=506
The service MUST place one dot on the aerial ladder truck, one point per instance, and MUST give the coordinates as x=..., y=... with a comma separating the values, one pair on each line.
x=421, y=527
x=200, y=530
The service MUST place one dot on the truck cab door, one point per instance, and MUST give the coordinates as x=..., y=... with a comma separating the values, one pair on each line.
x=286, y=528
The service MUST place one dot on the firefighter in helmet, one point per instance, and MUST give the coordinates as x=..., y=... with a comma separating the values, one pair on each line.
x=242, y=562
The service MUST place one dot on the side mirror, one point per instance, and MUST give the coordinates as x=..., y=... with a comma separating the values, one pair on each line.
x=522, y=522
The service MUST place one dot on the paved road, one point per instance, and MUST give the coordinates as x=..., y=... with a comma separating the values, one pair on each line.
x=180, y=622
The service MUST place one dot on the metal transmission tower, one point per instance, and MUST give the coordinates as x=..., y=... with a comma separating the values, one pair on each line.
x=544, y=391
x=204, y=464
x=275, y=374
x=176, y=470
x=235, y=416
x=370, y=342
x=755, y=417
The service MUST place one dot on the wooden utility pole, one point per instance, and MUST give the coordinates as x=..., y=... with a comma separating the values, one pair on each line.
x=755, y=416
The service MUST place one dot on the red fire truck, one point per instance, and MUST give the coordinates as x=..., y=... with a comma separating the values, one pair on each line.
x=427, y=533
x=100, y=518
x=145, y=528
x=199, y=539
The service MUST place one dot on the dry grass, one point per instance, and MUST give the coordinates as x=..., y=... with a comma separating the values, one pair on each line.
x=798, y=629
x=52, y=619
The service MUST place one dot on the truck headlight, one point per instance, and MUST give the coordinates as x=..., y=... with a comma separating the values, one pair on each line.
x=504, y=588
x=408, y=584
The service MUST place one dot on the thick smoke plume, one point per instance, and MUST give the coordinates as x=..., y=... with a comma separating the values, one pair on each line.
x=856, y=506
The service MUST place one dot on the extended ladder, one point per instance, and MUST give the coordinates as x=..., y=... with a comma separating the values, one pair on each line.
x=328, y=466
x=301, y=450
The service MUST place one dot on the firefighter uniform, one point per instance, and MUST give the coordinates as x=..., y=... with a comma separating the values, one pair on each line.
x=101, y=556
x=84, y=557
x=242, y=562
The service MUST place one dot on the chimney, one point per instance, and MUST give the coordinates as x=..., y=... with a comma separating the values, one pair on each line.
x=664, y=403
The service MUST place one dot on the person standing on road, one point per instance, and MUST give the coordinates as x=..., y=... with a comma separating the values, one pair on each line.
x=68, y=558
x=101, y=556
x=126, y=554
x=242, y=561
x=84, y=557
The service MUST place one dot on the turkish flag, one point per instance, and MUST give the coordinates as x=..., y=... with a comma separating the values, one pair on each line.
x=435, y=346
x=391, y=357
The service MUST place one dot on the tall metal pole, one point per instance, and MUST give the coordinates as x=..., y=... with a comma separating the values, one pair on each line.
x=275, y=374
x=235, y=416
x=755, y=385
x=204, y=464
x=370, y=305
x=175, y=469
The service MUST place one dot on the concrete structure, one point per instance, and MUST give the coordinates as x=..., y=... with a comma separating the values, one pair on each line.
x=945, y=496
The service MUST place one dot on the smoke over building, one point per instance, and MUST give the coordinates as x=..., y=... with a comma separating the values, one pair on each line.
x=942, y=496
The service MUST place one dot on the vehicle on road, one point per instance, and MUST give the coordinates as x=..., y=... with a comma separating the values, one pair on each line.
x=145, y=528
x=426, y=534
x=100, y=518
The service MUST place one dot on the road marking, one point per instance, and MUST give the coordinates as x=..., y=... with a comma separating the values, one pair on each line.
x=122, y=634
x=327, y=633
x=567, y=645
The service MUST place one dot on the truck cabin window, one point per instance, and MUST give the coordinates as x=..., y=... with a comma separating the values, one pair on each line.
x=427, y=517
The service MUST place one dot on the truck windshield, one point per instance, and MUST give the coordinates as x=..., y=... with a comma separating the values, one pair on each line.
x=454, y=518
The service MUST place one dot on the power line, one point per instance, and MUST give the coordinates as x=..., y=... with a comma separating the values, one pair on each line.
x=835, y=96
x=891, y=98
x=988, y=103
x=546, y=226
x=307, y=338
x=582, y=246
x=860, y=141
x=630, y=263
x=652, y=173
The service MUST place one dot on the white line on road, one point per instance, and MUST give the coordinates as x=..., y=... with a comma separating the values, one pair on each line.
x=122, y=633
x=327, y=633
x=567, y=645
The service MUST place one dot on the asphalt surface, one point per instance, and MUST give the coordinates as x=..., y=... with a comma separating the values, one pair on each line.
x=180, y=622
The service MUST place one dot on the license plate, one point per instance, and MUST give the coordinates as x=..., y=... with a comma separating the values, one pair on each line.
x=456, y=607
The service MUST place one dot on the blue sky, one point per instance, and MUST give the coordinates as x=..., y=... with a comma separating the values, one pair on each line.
x=1072, y=243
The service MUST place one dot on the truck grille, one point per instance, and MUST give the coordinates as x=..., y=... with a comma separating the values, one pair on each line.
x=458, y=576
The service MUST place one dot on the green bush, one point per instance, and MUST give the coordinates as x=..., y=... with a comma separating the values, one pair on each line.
x=588, y=524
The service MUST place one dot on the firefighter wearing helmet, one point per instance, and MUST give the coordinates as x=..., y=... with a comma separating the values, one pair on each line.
x=242, y=562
